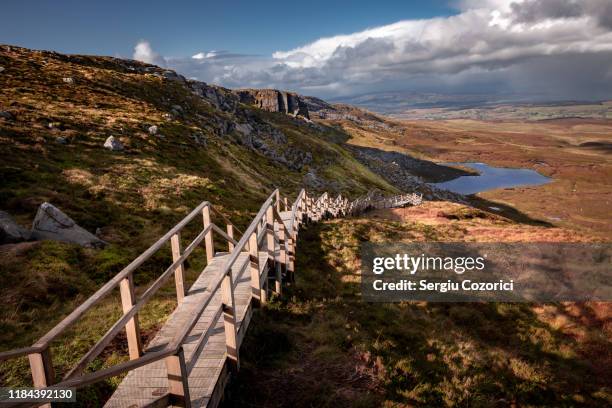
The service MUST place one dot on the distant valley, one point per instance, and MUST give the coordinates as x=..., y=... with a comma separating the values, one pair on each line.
x=432, y=106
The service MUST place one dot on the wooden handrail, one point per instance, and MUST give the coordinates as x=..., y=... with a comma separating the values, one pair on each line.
x=224, y=234
x=227, y=220
x=44, y=341
x=119, y=324
x=20, y=352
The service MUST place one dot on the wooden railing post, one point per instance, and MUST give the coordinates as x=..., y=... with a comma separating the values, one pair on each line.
x=178, y=387
x=208, y=238
x=277, y=201
x=229, y=320
x=132, y=328
x=270, y=234
x=257, y=292
x=282, y=258
x=291, y=257
x=43, y=374
x=286, y=204
x=270, y=244
x=230, y=233
x=179, y=272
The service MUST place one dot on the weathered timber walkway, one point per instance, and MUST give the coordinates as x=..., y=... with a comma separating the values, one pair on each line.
x=189, y=361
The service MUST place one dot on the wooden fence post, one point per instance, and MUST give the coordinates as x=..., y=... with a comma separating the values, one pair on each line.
x=230, y=232
x=43, y=374
x=229, y=320
x=282, y=257
x=41, y=365
x=179, y=272
x=178, y=387
x=208, y=238
x=277, y=201
x=291, y=257
x=286, y=204
x=256, y=290
x=132, y=328
x=270, y=244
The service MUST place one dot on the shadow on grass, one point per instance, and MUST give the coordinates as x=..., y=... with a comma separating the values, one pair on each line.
x=436, y=354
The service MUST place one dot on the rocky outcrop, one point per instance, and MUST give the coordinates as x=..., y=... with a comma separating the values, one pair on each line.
x=10, y=231
x=272, y=100
x=219, y=97
x=52, y=224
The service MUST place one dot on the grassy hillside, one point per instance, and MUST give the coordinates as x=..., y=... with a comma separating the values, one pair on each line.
x=62, y=109
x=322, y=345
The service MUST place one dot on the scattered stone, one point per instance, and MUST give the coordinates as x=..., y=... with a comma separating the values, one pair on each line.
x=10, y=231
x=68, y=80
x=113, y=144
x=153, y=130
x=61, y=140
x=6, y=115
x=52, y=224
x=167, y=116
x=1, y=68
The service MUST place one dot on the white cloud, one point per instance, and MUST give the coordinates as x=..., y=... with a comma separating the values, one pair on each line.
x=499, y=43
x=143, y=52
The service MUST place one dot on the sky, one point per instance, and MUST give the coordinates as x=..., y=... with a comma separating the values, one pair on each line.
x=559, y=49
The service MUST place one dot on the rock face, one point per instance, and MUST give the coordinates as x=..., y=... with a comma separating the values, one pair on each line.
x=113, y=144
x=50, y=223
x=272, y=100
x=10, y=231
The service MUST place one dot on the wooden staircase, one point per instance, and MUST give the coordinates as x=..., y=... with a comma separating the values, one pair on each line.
x=189, y=361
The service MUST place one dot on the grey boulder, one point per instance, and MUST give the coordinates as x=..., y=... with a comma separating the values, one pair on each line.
x=10, y=231
x=52, y=224
x=113, y=144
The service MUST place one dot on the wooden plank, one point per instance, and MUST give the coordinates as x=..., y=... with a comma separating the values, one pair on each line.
x=229, y=319
x=41, y=365
x=270, y=244
x=254, y=269
x=281, y=257
x=179, y=272
x=230, y=233
x=178, y=387
x=132, y=329
x=208, y=238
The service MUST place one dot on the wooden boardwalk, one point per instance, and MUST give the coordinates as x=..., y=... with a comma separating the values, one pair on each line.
x=144, y=386
x=191, y=358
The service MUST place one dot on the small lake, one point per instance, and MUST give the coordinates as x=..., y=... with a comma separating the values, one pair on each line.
x=491, y=178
